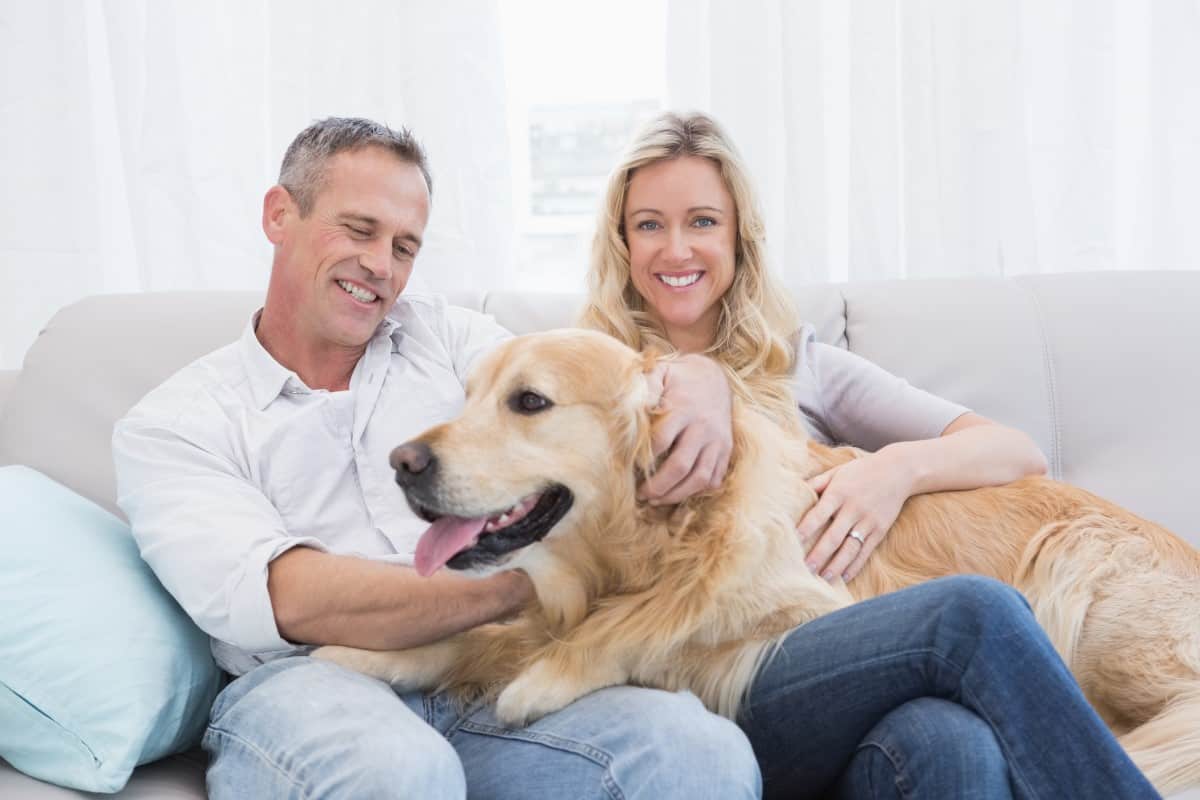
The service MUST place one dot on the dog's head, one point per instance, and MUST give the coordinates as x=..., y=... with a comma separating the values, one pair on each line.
x=555, y=428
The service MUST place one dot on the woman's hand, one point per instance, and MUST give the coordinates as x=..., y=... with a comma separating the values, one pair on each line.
x=865, y=495
x=861, y=497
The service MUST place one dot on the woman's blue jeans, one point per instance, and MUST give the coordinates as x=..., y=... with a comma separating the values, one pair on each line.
x=948, y=690
x=815, y=711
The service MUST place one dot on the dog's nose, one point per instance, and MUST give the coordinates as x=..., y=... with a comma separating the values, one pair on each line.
x=411, y=461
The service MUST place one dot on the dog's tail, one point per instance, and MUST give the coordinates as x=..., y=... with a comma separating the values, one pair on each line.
x=1167, y=748
x=1100, y=570
x=1061, y=567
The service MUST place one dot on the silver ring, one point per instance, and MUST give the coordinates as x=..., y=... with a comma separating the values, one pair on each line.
x=857, y=537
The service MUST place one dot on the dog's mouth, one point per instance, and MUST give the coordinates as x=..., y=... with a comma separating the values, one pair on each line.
x=465, y=542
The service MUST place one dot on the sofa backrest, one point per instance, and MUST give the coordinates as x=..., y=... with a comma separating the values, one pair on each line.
x=8, y=379
x=1102, y=369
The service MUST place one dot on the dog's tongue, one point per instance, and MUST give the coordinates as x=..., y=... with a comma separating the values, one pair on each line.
x=445, y=537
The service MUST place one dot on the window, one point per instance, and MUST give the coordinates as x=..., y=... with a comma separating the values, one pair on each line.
x=581, y=79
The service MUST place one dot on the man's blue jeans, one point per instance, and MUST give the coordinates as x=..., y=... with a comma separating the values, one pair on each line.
x=305, y=728
x=947, y=690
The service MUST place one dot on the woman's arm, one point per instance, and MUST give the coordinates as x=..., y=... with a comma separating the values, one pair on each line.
x=972, y=452
x=866, y=495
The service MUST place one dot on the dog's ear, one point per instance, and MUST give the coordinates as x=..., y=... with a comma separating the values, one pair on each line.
x=644, y=460
x=655, y=374
x=650, y=357
x=638, y=410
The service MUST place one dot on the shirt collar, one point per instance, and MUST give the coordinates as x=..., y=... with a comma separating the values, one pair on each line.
x=268, y=378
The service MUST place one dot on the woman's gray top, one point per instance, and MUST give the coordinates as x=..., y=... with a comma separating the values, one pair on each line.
x=846, y=399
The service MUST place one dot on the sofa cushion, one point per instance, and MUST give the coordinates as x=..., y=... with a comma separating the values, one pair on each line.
x=1123, y=371
x=994, y=363
x=8, y=379
x=92, y=362
x=100, y=670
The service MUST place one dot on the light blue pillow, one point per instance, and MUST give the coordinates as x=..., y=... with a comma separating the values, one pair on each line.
x=100, y=670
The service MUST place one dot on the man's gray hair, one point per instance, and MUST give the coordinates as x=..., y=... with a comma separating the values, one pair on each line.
x=303, y=169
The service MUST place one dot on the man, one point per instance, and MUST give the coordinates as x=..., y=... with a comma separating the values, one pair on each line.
x=257, y=484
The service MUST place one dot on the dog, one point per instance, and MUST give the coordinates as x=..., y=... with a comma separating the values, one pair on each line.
x=540, y=471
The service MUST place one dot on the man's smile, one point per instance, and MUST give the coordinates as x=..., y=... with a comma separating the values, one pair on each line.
x=358, y=292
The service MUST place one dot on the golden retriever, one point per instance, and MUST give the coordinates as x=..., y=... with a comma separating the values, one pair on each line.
x=540, y=471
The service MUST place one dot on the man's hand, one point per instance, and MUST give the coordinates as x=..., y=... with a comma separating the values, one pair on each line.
x=696, y=429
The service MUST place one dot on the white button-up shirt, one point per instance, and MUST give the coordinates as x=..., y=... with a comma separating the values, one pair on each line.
x=233, y=460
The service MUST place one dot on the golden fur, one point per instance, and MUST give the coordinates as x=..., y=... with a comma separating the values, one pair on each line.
x=696, y=596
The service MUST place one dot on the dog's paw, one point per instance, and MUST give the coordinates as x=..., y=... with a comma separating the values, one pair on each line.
x=542, y=689
x=532, y=695
x=364, y=661
x=347, y=657
x=406, y=670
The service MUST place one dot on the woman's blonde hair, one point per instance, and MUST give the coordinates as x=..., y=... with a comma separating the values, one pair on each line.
x=757, y=322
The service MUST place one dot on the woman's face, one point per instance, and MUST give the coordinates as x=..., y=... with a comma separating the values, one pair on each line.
x=681, y=227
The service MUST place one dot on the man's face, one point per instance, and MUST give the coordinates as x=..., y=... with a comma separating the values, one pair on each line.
x=344, y=265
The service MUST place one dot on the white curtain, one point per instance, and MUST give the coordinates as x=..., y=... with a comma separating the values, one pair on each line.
x=138, y=137
x=888, y=137
x=894, y=138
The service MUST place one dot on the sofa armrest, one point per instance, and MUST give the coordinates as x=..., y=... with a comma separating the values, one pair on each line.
x=8, y=379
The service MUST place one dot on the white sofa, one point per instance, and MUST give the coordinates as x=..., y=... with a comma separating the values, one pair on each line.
x=1102, y=369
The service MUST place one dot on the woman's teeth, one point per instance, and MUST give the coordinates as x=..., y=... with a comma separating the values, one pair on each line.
x=357, y=292
x=681, y=280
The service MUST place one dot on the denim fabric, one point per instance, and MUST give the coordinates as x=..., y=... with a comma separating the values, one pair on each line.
x=969, y=640
x=302, y=728
x=946, y=690
x=927, y=748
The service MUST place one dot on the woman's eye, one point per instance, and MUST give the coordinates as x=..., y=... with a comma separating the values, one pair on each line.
x=704, y=222
x=647, y=225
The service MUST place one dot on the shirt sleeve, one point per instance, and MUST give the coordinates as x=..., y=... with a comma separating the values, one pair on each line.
x=852, y=401
x=205, y=529
x=469, y=336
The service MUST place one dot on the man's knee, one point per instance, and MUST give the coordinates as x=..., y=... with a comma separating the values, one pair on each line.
x=404, y=766
x=691, y=752
x=313, y=727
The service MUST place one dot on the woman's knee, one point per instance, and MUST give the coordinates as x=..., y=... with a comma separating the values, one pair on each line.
x=983, y=603
x=928, y=747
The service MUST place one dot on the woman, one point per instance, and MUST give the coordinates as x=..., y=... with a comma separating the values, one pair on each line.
x=949, y=689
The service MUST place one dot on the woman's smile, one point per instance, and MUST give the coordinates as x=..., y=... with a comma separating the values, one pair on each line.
x=682, y=234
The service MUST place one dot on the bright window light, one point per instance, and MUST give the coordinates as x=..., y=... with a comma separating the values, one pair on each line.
x=581, y=78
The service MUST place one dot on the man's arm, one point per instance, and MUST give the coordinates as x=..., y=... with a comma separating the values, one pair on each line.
x=322, y=598
x=222, y=550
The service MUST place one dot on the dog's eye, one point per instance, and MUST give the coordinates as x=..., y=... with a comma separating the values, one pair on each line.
x=527, y=402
